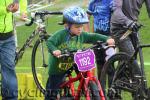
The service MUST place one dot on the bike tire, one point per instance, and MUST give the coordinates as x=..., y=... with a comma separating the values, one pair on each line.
x=94, y=91
x=40, y=69
x=120, y=63
x=66, y=95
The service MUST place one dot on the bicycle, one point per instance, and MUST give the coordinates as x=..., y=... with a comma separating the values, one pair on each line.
x=87, y=81
x=124, y=80
x=39, y=35
x=88, y=86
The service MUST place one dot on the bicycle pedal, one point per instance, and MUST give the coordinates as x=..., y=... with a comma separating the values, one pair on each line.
x=30, y=45
x=44, y=65
x=111, y=92
x=138, y=76
x=66, y=98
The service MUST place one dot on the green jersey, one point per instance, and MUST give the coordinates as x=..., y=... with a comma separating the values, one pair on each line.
x=62, y=40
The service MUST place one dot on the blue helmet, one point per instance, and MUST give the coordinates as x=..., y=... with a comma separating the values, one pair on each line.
x=75, y=15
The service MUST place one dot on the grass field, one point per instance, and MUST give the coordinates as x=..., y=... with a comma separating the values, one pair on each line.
x=24, y=65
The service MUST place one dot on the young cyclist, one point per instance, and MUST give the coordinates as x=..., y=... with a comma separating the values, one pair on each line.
x=70, y=38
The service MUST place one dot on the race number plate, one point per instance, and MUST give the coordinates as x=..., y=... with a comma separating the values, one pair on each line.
x=85, y=60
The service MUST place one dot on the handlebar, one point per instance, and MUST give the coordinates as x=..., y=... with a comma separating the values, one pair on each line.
x=99, y=45
x=41, y=15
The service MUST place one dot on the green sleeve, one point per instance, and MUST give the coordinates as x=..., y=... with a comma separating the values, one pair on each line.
x=51, y=45
x=53, y=42
x=23, y=6
x=56, y=40
x=94, y=37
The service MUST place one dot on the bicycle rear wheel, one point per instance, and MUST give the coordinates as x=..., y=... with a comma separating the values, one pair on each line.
x=123, y=86
x=40, y=64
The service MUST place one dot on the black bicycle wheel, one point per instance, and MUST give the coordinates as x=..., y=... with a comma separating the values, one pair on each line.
x=123, y=85
x=94, y=91
x=40, y=64
x=66, y=94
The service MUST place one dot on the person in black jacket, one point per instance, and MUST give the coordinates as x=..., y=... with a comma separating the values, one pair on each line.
x=125, y=16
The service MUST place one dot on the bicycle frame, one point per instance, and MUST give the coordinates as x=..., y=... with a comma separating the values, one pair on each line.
x=83, y=78
x=84, y=73
x=40, y=30
x=141, y=58
x=139, y=53
x=138, y=49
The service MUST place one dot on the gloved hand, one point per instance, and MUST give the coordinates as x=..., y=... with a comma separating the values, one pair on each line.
x=134, y=26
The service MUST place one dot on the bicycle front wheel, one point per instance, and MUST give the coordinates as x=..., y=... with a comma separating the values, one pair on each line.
x=122, y=86
x=40, y=64
x=94, y=91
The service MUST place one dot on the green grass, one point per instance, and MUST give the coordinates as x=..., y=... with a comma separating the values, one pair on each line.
x=145, y=32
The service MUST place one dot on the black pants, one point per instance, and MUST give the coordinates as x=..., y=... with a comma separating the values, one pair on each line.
x=52, y=86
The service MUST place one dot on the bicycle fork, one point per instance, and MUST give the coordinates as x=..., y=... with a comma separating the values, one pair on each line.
x=43, y=55
x=85, y=82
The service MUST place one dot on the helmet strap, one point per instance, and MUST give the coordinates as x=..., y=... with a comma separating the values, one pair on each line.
x=68, y=28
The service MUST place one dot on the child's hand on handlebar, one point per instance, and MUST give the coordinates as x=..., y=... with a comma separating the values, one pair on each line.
x=57, y=53
x=110, y=41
